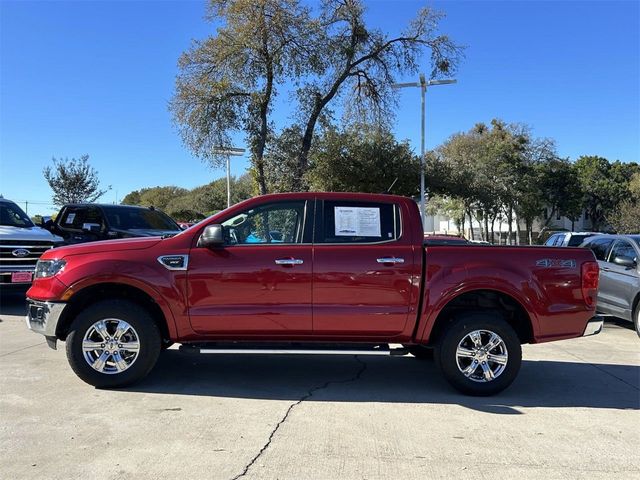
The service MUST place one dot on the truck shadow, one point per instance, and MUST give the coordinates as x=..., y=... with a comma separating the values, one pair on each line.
x=12, y=301
x=388, y=380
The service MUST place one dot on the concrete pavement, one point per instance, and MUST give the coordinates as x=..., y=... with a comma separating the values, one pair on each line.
x=572, y=413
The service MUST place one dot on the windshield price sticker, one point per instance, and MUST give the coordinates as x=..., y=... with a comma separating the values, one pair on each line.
x=357, y=221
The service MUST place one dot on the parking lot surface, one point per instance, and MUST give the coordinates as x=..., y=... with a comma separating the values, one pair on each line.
x=573, y=412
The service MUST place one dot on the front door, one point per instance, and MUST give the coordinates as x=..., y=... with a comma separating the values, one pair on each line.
x=620, y=283
x=364, y=270
x=259, y=282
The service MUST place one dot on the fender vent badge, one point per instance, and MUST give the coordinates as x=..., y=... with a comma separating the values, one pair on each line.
x=174, y=262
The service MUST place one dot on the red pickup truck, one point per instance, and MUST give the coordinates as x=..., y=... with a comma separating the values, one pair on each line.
x=311, y=272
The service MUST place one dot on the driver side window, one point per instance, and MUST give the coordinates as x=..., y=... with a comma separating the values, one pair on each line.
x=274, y=223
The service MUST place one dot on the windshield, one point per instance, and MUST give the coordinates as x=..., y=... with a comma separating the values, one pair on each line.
x=139, y=219
x=12, y=215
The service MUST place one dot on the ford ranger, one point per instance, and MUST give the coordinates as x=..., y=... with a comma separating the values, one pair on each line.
x=311, y=273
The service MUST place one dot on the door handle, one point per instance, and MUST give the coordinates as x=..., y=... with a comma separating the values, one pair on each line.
x=289, y=261
x=390, y=260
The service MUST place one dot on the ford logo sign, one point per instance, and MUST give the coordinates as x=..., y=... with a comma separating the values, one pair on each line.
x=20, y=252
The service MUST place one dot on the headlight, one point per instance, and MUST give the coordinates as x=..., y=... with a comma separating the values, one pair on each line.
x=48, y=268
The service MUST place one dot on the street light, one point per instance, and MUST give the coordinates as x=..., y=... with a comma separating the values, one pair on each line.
x=228, y=152
x=423, y=84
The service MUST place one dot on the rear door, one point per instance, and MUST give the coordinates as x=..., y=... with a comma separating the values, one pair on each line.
x=364, y=269
x=622, y=282
x=601, y=246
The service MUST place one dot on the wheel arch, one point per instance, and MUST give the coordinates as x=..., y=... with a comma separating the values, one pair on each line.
x=104, y=291
x=484, y=300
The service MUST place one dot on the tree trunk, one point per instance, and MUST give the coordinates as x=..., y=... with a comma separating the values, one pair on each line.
x=510, y=220
x=486, y=226
x=264, y=120
x=471, y=234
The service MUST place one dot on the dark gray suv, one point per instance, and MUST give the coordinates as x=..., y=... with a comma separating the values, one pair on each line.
x=619, y=260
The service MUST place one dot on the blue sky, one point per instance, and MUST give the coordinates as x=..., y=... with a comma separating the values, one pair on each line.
x=95, y=77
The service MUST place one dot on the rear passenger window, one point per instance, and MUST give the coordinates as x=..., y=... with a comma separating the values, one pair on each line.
x=551, y=241
x=600, y=247
x=576, y=240
x=359, y=222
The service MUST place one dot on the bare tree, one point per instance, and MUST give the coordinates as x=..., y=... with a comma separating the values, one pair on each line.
x=73, y=181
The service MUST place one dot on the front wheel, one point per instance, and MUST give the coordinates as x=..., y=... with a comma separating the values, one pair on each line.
x=113, y=343
x=636, y=319
x=479, y=354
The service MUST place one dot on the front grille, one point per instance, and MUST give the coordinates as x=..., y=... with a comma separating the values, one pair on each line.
x=28, y=253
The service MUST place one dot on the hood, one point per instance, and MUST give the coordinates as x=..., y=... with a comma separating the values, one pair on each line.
x=103, y=246
x=25, y=234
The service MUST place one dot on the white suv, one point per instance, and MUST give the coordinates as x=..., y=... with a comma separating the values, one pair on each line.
x=568, y=239
x=21, y=244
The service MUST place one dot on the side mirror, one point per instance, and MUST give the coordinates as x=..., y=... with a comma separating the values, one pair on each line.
x=624, y=261
x=212, y=236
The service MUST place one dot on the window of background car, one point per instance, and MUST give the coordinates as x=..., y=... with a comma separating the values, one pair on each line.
x=382, y=222
x=126, y=218
x=74, y=217
x=622, y=248
x=277, y=223
x=12, y=216
x=551, y=241
x=600, y=246
x=576, y=240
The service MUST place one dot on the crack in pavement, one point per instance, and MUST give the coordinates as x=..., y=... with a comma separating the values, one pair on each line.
x=310, y=392
x=21, y=349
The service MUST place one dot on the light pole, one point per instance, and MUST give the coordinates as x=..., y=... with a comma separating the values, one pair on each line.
x=423, y=84
x=228, y=152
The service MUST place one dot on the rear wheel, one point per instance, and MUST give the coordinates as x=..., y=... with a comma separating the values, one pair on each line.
x=636, y=319
x=479, y=354
x=113, y=343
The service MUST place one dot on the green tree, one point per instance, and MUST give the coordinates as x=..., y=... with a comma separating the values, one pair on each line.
x=604, y=185
x=73, y=181
x=227, y=82
x=158, y=197
x=361, y=159
x=626, y=217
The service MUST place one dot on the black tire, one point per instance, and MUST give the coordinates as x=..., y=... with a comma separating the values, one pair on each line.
x=447, y=359
x=636, y=319
x=421, y=352
x=144, y=330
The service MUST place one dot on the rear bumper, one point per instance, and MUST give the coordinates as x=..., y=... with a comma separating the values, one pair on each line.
x=594, y=326
x=43, y=317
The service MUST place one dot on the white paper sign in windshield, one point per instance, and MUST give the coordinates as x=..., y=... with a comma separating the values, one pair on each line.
x=357, y=222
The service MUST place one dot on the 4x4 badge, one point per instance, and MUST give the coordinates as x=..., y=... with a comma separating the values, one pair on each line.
x=556, y=262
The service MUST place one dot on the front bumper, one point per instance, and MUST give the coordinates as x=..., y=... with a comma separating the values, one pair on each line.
x=43, y=318
x=594, y=326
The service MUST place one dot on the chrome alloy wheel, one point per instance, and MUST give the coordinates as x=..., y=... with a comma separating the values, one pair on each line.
x=110, y=346
x=482, y=356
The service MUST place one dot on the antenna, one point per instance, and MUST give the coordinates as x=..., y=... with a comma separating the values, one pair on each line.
x=391, y=186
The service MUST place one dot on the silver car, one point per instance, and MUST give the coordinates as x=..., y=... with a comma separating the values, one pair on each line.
x=619, y=260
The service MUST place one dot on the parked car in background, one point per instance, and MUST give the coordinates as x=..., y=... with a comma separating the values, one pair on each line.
x=90, y=222
x=619, y=260
x=436, y=239
x=21, y=244
x=568, y=239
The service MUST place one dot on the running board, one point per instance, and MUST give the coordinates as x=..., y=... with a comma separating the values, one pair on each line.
x=292, y=349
